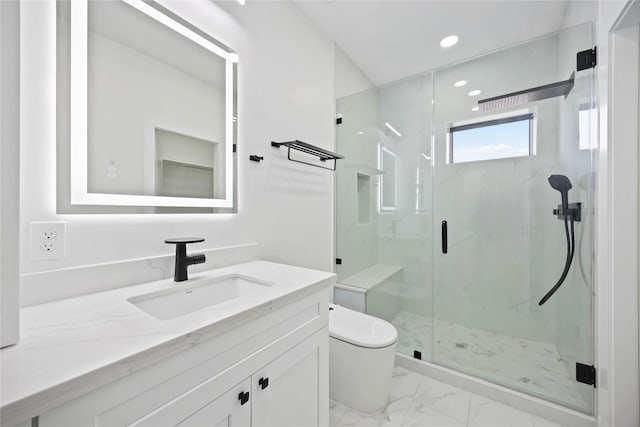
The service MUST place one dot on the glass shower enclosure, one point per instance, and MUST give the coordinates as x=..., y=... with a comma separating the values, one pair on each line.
x=445, y=216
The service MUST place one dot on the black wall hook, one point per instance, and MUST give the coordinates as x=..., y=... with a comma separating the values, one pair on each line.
x=255, y=158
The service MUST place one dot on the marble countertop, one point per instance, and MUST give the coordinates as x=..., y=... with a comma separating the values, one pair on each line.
x=96, y=338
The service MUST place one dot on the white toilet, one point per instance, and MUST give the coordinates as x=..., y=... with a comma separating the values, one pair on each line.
x=362, y=352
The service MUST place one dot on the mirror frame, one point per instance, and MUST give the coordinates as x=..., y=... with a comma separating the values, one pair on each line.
x=78, y=130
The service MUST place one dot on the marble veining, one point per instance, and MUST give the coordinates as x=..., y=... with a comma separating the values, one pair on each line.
x=530, y=366
x=72, y=346
x=419, y=401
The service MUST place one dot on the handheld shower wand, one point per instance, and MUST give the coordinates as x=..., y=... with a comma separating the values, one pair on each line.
x=563, y=185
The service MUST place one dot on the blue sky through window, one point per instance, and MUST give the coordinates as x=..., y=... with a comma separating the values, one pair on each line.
x=496, y=141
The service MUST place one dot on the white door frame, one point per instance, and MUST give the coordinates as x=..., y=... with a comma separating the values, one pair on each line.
x=617, y=324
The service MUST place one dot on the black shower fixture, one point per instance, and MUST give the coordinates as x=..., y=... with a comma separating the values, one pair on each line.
x=526, y=96
x=563, y=185
x=567, y=212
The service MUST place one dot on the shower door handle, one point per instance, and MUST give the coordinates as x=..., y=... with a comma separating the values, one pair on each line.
x=444, y=237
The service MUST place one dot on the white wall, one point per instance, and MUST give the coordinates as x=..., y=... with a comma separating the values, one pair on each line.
x=578, y=12
x=349, y=78
x=285, y=91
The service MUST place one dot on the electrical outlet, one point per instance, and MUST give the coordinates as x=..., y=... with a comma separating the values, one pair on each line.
x=48, y=247
x=50, y=234
x=48, y=240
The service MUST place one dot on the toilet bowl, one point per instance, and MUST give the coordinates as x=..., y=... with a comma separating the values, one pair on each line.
x=362, y=352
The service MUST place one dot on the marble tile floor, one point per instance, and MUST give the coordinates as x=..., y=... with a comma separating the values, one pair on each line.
x=419, y=401
x=529, y=366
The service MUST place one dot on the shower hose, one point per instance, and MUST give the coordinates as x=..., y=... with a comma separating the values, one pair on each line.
x=571, y=244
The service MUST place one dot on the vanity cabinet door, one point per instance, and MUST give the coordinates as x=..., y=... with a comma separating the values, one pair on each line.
x=231, y=408
x=292, y=390
x=228, y=410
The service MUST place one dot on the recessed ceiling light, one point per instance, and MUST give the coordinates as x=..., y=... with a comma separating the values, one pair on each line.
x=475, y=109
x=392, y=129
x=475, y=92
x=360, y=132
x=460, y=83
x=448, y=41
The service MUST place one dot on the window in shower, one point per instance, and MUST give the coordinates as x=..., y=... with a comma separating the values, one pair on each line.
x=510, y=136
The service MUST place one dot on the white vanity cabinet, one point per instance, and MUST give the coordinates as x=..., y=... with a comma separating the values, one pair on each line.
x=270, y=371
x=286, y=391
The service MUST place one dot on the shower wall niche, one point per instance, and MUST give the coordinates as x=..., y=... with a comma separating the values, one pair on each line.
x=475, y=309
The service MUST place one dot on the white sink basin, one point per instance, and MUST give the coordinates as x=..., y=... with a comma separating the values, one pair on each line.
x=188, y=297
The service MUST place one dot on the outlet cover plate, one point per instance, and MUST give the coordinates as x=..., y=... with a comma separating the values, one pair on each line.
x=48, y=240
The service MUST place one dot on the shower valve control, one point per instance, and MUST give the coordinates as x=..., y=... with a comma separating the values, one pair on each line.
x=573, y=212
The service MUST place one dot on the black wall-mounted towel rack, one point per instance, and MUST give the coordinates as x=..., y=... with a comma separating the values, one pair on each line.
x=318, y=152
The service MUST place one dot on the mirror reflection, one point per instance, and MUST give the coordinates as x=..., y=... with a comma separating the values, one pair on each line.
x=387, y=179
x=159, y=109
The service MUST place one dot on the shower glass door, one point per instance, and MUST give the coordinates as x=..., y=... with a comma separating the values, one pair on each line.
x=418, y=152
x=505, y=247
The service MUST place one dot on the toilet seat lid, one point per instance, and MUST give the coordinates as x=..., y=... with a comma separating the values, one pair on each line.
x=360, y=329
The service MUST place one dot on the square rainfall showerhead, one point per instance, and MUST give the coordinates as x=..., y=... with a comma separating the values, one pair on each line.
x=539, y=93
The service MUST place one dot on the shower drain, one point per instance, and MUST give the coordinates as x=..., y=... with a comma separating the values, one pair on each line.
x=462, y=345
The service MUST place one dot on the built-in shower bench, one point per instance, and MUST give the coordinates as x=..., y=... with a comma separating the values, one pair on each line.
x=356, y=291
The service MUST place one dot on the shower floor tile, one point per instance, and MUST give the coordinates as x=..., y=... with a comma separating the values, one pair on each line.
x=529, y=366
x=419, y=401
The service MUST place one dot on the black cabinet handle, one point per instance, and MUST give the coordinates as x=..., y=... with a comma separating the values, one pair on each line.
x=263, y=382
x=444, y=237
x=243, y=397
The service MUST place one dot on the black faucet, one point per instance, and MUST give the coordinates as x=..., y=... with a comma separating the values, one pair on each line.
x=182, y=260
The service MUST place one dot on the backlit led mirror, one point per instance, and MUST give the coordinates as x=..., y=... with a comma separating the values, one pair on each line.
x=151, y=108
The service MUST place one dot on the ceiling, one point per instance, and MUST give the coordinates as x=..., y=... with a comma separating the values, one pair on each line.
x=393, y=39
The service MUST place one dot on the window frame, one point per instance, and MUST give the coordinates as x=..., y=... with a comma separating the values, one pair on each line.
x=516, y=116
